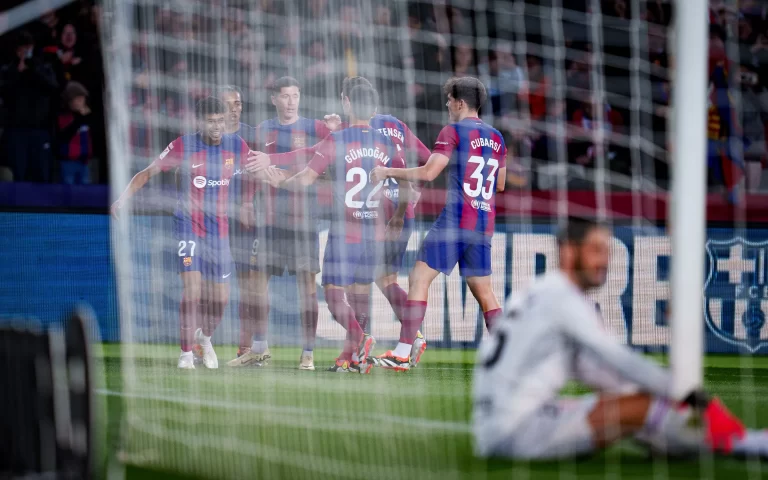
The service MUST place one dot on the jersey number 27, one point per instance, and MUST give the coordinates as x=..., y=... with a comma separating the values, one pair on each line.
x=483, y=186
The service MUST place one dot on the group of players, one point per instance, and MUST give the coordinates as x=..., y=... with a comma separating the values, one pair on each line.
x=246, y=198
x=246, y=194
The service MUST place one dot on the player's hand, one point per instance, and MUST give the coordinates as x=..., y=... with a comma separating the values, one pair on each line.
x=257, y=161
x=247, y=215
x=394, y=228
x=114, y=210
x=273, y=176
x=379, y=174
x=332, y=121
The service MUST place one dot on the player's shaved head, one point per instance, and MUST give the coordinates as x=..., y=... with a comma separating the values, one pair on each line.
x=210, y=106
x=227, y=89
x=351, y=82
x=584, y=252
x=468, y=89
x=363, y=101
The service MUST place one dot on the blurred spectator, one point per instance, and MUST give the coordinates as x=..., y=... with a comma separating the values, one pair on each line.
x=28, y=86
x=464, y=59
x=754, y=101
x=74, y=136
x=504, y=80
x=68, y=55
x=539, y=88
x=585, y=123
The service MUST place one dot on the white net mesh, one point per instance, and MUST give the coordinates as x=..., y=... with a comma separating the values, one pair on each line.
x=578, y=89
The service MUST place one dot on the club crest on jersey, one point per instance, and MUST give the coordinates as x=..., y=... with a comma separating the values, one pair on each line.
x=736, y=292
x=187, y=261
x=199, y=181
x=299, y=141
x=229, y=162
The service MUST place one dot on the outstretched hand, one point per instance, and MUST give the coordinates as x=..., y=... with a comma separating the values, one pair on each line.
x=394, y=228
x=114, y=210
x=332, y=121
x=379, y=174
x=257, y=161
x=273, y=176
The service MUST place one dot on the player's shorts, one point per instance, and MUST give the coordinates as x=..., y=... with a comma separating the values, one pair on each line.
x=277, y=249
x=394, y=250
x=443, y=248
x=558, y=429
x=208, y=255
x=241, y=243
x=347, y=263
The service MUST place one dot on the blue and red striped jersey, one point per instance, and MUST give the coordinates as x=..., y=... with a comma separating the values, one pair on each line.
x=477, y=152
x=405, y=141
x=203, y=176
x=283, y=207
x=349, y=156
x=237, y=189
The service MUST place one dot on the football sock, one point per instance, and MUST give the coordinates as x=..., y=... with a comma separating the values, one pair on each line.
x=349, y=348
x=396, y=297
x=188, y=312
x=214, y=313
x=261, y=316
x=751, y=444
x=403, y=350
x=491, y=316
x=665, y=429
x=355, y=357
x=247, y=321
x=342, y=312
x=413, y=315
x=259, y=346
x=309, y=315
x=205, y=341
x=306, y=352
x=361, y=304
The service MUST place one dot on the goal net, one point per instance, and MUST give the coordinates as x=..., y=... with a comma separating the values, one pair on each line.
x=580, y=92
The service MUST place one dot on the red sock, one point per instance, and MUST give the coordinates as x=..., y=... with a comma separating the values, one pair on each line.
x=213, y=315
x=491, y=316
x=261, y=317
x=349, y=347
x=309, y=316
x=188, y=314
x=413, y=315
x=397, y=298
x=247, y=320
x=361, y=304
x=343, y=313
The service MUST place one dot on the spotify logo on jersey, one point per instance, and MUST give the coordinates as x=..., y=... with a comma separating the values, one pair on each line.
x=199, y=181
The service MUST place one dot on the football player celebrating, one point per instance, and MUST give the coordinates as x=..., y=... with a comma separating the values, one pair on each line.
x=475, y=154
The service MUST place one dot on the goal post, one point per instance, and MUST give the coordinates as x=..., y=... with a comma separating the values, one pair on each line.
x=687, y=211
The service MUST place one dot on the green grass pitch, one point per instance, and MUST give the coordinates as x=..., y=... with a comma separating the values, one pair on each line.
x=278, y=422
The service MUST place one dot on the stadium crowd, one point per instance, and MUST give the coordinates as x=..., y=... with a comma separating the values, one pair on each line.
x=52, y=79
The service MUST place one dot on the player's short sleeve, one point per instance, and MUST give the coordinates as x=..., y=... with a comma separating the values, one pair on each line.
x=447, y=141
x=323, y=157
x=503, y=154
x=172, y=156
x=244, y=149
x=398, y=161
x=413, y=144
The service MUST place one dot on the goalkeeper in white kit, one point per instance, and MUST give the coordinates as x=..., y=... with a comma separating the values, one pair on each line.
x=552, y=334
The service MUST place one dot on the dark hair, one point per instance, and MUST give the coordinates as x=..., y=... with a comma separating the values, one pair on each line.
x=576, y=230
x=210, y=106
x=351, y=82
x=283, y=82
x=228, y=89
x=24, y=38
x=363, y=100
x=469, y=89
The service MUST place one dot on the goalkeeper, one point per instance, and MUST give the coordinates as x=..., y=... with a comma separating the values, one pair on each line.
x=551, y=334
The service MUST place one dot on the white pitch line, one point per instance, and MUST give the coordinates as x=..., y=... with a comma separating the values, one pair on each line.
x=446, y=426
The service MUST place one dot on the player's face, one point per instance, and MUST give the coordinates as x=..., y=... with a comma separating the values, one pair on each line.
x=454, y=108
x=213, y=127
x=287, y=102
x=234, y=107
x=592, y=258
x=345, y=105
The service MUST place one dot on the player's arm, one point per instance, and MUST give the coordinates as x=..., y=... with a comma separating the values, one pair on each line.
x=170, y=157
x=301, y=180
x=578, y=322
x=320, y=161
x=426, y=173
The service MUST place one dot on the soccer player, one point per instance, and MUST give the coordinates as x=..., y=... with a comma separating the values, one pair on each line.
x=394, y=250
x=289, y=238
x=475, y=154
x=551, y=334
x=205, y=163
x=357, y=225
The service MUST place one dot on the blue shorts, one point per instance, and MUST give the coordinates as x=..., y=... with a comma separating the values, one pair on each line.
x=275, y=250
x=345, y=264
x=394, y=251
x=208, y=255
x=443, y=248
x=242, y=244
